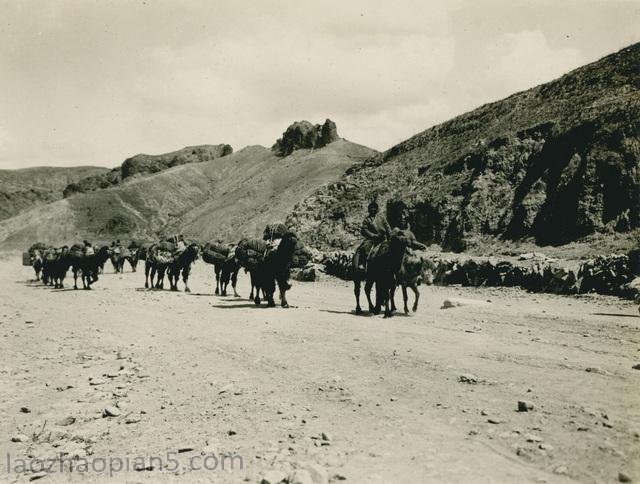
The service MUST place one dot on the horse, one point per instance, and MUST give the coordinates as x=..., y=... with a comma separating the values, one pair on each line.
x=88, y=265
x=274, y=269
x=383, y=265
x=182, y=264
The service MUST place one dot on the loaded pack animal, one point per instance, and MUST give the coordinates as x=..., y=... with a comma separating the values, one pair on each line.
x=268, y=266
x=34, y=257
x=157, y=259
x=118, y=255
x=133, y=256
x=87, y=265
x=181, y=265
x=383, y=264
x=225, y=265
x=36, y=262
x=55, y=265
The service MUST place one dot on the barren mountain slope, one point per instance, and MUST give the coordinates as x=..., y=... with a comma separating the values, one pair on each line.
x=259, y=188
x=227, y=197
x=551, y=164
x=28, y=187
x=142, y=164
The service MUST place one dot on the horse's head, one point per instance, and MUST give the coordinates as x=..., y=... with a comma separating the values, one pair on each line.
x=288, y=244
x=428, y=270
x=399, y=240
x=193, y=250
x=104, y=253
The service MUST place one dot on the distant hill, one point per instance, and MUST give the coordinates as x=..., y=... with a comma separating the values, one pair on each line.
x=549, y=165
x=147, y=164
x=23, y=189
x=227, y=197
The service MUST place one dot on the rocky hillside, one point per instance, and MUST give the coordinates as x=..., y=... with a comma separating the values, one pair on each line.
x=148, y=164
x=23, y=189
x=550, y=165
x=227, y=197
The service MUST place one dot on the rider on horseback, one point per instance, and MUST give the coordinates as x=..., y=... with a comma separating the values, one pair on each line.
x=375, y=229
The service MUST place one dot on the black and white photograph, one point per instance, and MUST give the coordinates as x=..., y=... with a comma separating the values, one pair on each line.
x=301, y=242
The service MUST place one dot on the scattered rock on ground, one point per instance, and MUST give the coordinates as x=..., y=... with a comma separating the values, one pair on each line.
x=468, y=378
x=524, y=406
x=533, y=438
x=67, y=421
x=317, y=472
x=300, y=476
x=111, y=411
x=273, y=477
x=624, y=477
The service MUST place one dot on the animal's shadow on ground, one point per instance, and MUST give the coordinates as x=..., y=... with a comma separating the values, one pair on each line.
x=365, y=313
x=39, y=285
x=616, y=315
x=237, y=306
x=163, y=289
x=246, y=304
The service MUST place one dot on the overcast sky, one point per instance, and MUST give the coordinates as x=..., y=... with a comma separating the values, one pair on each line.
x=94, y=82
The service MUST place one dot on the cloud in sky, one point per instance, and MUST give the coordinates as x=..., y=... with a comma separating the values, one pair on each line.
x=93, y=83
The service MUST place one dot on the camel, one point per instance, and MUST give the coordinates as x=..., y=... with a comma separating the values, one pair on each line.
x=182, y=264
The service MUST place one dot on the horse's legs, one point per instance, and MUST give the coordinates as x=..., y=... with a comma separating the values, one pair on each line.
x=159, y=273
x=282, y=286
x=173, y=274
x=367, y=290
x=155, y=275
x=386, y=296
x=414, y=288
x=405, y=298
x=185, y=279
x=234, y=281
x=75, y=278
x=393, y=298
x=217, y=270
x=356, y=291
x=253, y=284
x=147, y=268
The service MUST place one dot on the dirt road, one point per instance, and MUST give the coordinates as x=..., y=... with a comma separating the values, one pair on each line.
x=315, y=390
